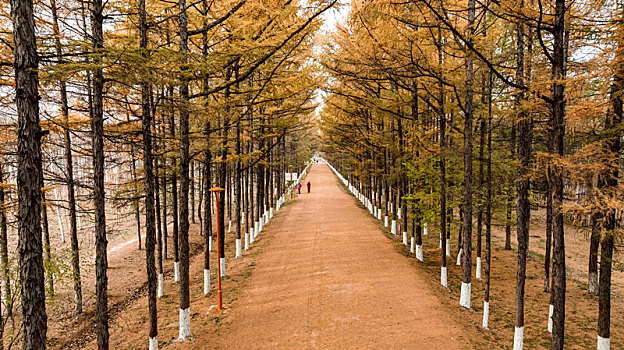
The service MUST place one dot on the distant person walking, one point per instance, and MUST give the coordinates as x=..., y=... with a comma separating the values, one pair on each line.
x=309, y=186
x=299, y=187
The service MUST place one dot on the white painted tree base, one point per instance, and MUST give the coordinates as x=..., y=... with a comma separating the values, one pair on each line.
x=230, y=226
x=603, y=343
x=399, y=213
x=458, y=263
x=486, y=314
x=412, y=245
x=593, y=283
x=206, y=281
x=153, y=343
x=256, y=225
x=379, y=214
x=246, y=240
x=478, y=273
x=448, y=249
x=185, y=323
x=160, y=285
x=271, y=213
x=393, y=228
x=464, y=298
x=404, y=238
x=222, y=263
x=386, y=221
x=419, y=253
x=176, y=272
x=518, y=338
x=210, y=243
x=551, y=309
x=443, y=277
x=425, y=230
x=252, y=236
x=239, y=253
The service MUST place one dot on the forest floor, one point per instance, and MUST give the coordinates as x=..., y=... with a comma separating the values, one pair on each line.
x=581, y=307
x=126, y=286
x=322, y=275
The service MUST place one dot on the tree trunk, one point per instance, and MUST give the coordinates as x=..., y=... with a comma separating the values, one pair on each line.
x=174, y=198
x=46, y=238
x=200, y=197
x=223, y=182
x=237, y=192
x=593, y=255
x=523, y=210
x=165, y=227
x=135, y=202
x=508, y=212
x=207, y=210
x=185, y=317
x=558, y=130
x=159, y=235
x=442, y=116
x=207, y=223
x=29, y=175
x=69, y=169
x=7, y=297
x=467, y=201
x=97, y=125
x=260, y=180
x=488, y=211
x=510, y=192
x=159, y=242
x=549, y=225
x=2, y=324
x=610, y=180
x=150, y=219
x=246, y=200
x=480, y=195
x=192, y=192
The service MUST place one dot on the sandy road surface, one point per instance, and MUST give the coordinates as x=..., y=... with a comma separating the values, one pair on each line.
x=330, y=280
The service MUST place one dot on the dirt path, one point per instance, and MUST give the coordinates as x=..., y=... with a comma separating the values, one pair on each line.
x=330, y=279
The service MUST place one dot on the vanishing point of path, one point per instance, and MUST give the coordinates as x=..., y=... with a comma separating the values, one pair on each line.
x=329, y=279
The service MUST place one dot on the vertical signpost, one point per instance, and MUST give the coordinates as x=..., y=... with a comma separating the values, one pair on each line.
x=290, y=178
x=216, y=191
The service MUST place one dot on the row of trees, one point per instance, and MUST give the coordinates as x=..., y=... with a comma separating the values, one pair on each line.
x=170, y=99
x=460, y=113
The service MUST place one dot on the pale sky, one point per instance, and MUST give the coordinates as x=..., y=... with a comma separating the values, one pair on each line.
x=336, y=15
x=331, y=18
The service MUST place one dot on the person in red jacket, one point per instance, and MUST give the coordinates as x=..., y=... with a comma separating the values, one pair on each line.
x=299, y=187
x=308, y=186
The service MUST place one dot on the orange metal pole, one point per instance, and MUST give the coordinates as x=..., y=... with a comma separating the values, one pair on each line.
x=219, y=293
